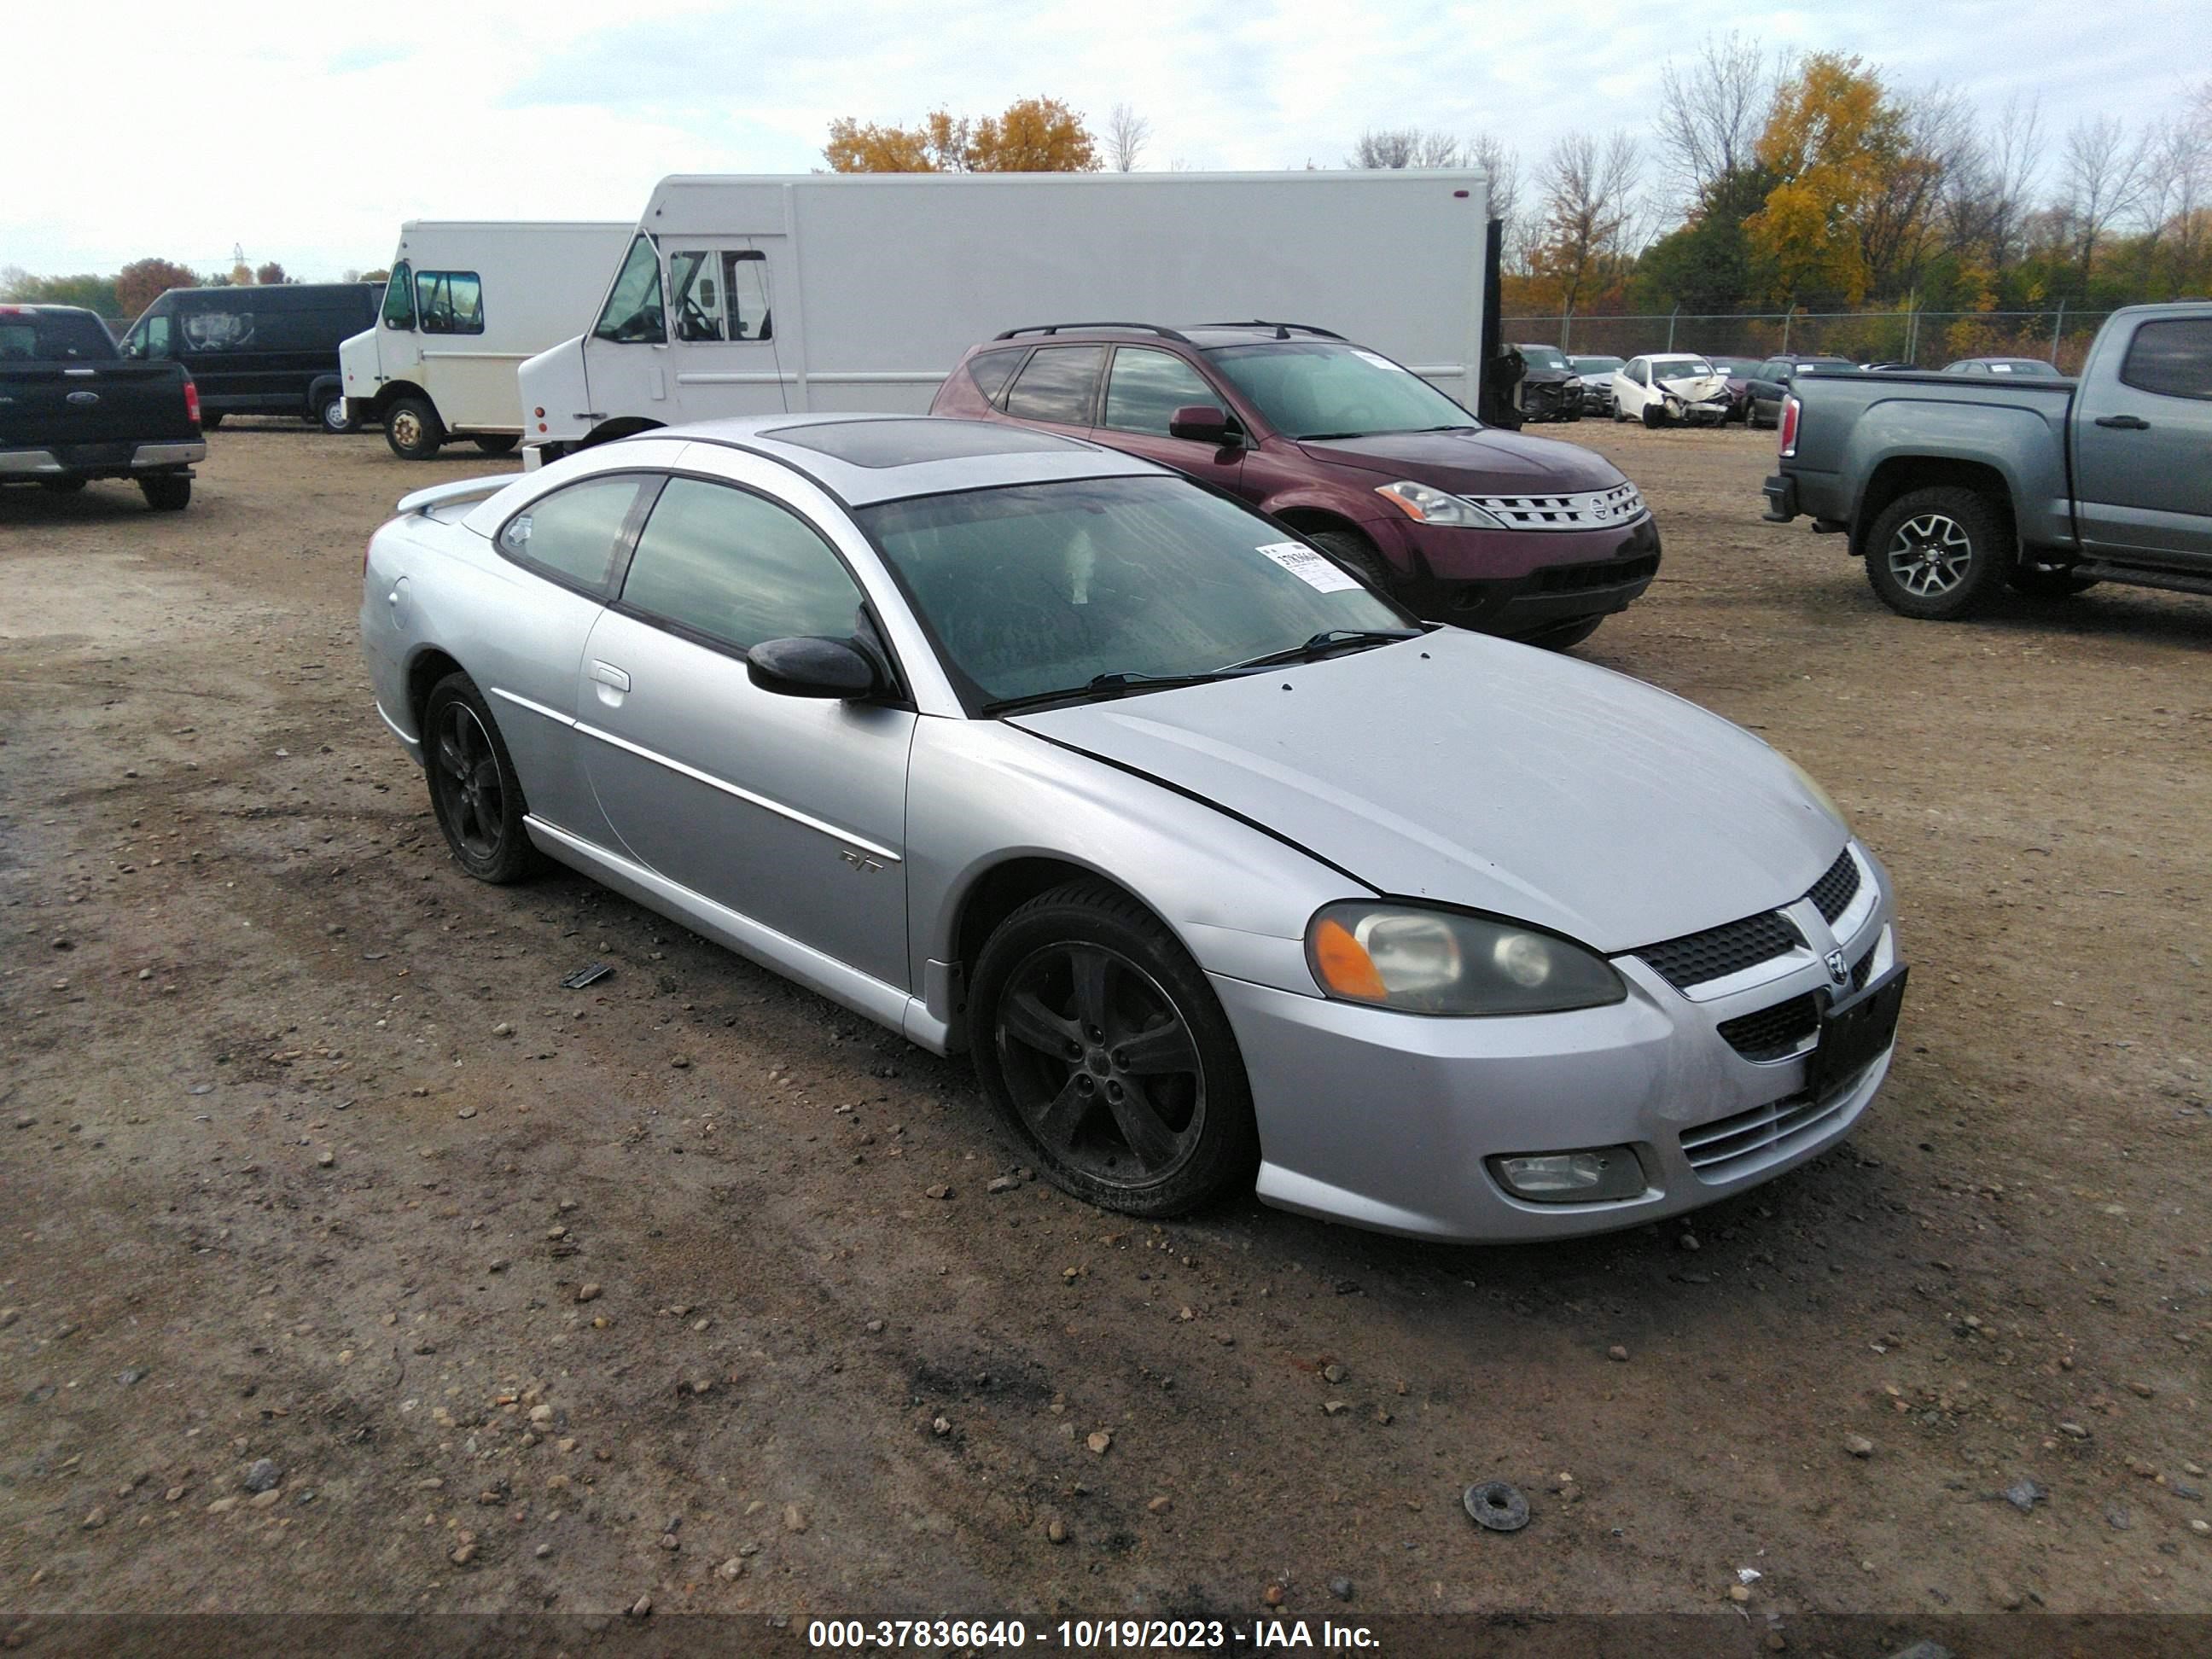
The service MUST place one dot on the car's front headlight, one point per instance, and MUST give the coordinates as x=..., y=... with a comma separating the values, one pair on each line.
x=1440, y=962
x=1429, y=505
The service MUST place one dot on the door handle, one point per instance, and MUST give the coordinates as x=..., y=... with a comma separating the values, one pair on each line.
x=607, y=674
x=2124, y=423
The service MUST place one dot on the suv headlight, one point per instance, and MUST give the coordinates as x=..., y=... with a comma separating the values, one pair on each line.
x=1431, y=506
x=1440, y=962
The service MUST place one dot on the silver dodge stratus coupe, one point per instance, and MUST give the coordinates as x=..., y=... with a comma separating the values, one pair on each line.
x=1224, y=871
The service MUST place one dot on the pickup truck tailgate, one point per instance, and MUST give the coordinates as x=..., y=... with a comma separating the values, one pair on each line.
x=79, y=407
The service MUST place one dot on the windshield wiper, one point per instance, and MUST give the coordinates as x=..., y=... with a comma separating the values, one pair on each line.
x=1120, y=684
x=1334, y=639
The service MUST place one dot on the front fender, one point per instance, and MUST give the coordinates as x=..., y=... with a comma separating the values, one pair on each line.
x=981, y=794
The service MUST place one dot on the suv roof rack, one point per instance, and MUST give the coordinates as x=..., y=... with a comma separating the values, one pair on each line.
x=1055, y=328
x=1282, y=330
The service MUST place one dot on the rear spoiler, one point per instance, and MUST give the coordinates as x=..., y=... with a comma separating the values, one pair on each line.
x=461, y=489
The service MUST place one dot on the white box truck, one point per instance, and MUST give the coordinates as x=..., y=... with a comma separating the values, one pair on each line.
x=467, y=302
x=748, y=296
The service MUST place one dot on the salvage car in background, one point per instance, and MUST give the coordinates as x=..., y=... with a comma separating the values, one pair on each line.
x=1226, y=874
x=1672, y=389
x=1596, y=375
x=1549, y=388
x=1771, y=385
x=1738, y=372
x=2025, y=368
x=1462, y=522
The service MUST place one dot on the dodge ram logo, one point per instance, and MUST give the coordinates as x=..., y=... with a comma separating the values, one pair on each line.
x=83, y=399
x=1836, y=971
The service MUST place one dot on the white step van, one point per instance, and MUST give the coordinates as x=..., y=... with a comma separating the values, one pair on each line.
x=467, y=302
x=750, y=295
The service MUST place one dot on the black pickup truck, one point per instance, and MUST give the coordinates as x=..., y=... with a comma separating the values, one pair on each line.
x=71, y=409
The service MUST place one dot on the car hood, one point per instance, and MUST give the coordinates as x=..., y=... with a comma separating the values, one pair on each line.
x=1480, y=461
x=1697, y=388
x=1478, y=772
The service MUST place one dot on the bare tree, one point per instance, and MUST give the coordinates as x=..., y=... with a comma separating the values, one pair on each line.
x=2103, y=180
x=1501, y=165
x=1127, y=134
x=2177, y=177
x=1404, y=147
x=1711, y=114
x=1590, y=206
x=1903, y=216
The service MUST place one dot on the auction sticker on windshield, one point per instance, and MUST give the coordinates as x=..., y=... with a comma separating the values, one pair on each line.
x=1310, y=567
x=1380, y=361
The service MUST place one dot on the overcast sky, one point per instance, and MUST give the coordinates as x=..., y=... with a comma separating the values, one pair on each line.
x=306, y=132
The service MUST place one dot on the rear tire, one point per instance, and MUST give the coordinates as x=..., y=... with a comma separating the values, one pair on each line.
x=1350, y=547
x=413, y=429
x=1098, y=1038
x=168, y=492
x=1938, y=553
x=496, y=443
x=474, y=790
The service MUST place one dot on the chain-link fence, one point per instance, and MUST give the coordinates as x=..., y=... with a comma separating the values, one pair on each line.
x=1929, y=339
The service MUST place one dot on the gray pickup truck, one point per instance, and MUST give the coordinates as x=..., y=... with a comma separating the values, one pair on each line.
x=1951, y=487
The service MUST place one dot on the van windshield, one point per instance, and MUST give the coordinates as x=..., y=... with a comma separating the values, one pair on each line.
x=634, y=312
x=1321, y=389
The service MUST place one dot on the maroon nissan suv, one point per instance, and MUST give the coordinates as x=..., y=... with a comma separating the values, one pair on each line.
x=1463, y=523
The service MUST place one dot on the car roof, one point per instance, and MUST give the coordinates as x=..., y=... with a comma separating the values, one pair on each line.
x=865, y=458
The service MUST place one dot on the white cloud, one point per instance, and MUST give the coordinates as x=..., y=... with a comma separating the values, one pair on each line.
x=307, y=133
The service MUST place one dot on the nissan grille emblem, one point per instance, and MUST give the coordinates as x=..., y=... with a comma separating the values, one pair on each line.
x=1836, y=971
x=84, y=397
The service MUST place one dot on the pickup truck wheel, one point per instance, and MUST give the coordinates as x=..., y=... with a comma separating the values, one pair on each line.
x=1937, y=553
x=168, y=492
x=1356, y=550
x=2037, y=582
x=413, y=429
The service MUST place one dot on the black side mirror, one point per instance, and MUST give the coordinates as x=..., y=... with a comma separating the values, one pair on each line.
x=1204, y=423
x=811, y=667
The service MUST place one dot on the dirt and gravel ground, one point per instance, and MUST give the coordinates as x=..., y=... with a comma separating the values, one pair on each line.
x=538, y=1299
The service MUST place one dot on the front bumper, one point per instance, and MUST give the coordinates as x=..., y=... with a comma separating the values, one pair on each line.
x=1387, y=1121
x=116, y=460
x=1523, y=582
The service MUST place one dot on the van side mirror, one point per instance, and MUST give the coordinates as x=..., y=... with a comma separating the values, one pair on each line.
x=1204, y=423
x=811, y=666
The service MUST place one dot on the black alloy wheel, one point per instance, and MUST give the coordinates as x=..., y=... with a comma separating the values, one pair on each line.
x=473, y=787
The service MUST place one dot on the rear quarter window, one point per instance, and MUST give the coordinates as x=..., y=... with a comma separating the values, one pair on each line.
x=1059, y=384
x=2171, y=359
x=991, y=370
x=571, y=535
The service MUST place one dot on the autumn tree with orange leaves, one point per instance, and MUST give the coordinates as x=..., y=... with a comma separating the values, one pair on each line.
x=1033, y=135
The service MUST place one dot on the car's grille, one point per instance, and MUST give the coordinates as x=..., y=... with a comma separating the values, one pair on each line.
x=1719, y=1150
x=1597, y=572
x=1774, y=1033
x=1592, y=510
x=1834, y=891
x=1719, y=951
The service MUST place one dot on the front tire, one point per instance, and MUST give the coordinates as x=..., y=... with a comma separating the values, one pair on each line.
x=474, y=790
x=1653, y=417
x=1938, y=553
x=413, y=429
x=331, y=414
x=1350, y=547
x=168, y=492
x=496, y=443
x=1098, y=1037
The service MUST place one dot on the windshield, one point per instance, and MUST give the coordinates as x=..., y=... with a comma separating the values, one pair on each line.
x=1042, y=588
x=1543, y=357
x=1320, y=389
x=1680, y=368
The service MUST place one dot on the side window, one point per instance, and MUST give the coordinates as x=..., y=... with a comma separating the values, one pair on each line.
x=399, y=297
x=1058, y=386
x=571, y=535
x=694, y=288
x=991, y=370
x=2171, y=359
x=719, y=296
x=633, y=314
x=151, y=339
x=450, y=302
x=718, y=561
x=744, y=280
x=1638, y=374
x=1147, y=387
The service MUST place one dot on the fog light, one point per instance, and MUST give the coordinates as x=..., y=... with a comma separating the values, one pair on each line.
x=1585, y=1177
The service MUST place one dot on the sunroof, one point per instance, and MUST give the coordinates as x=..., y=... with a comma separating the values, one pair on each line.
x=910, y=442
